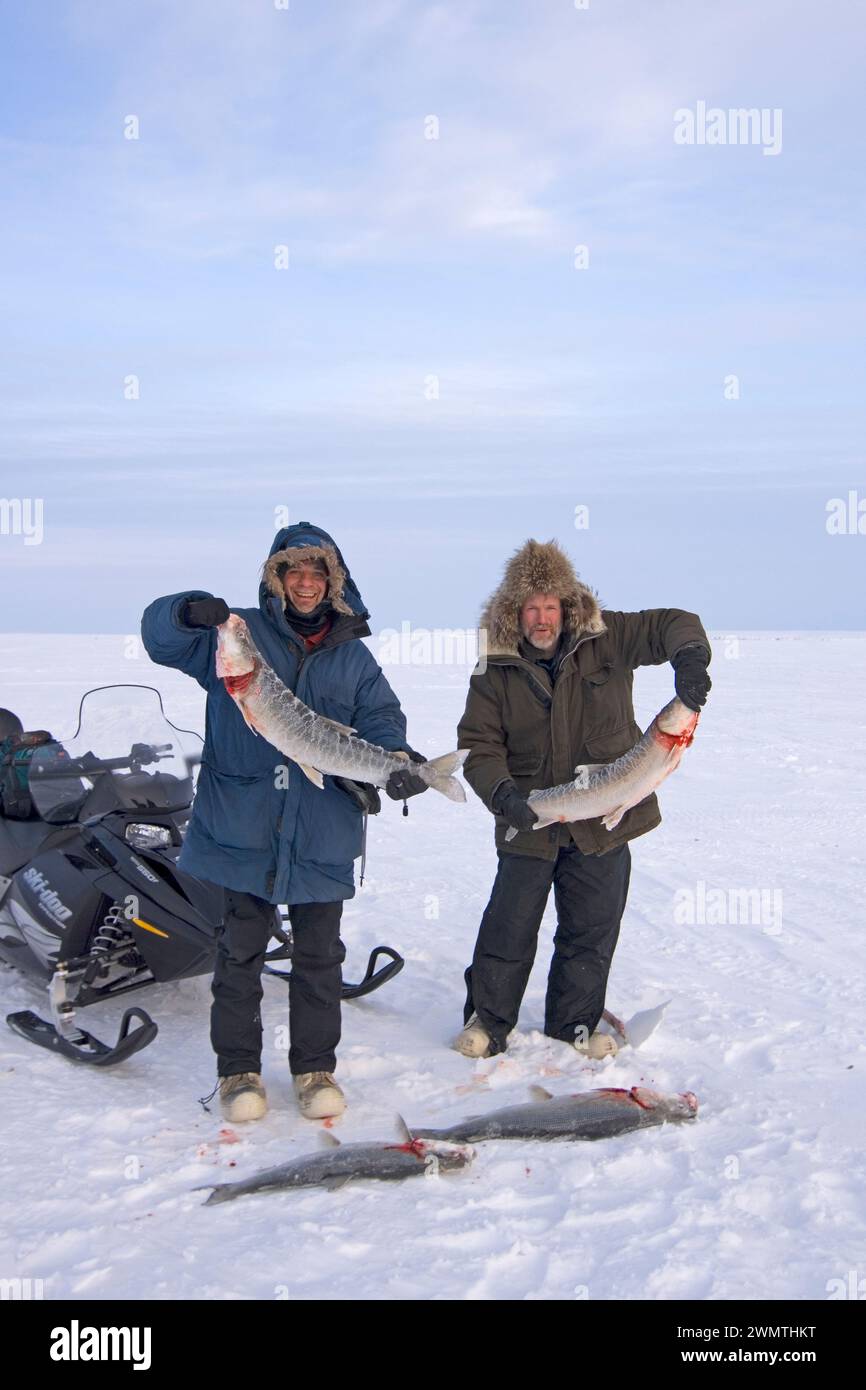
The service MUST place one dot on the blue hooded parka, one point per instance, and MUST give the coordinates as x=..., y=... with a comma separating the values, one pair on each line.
x=278, y=837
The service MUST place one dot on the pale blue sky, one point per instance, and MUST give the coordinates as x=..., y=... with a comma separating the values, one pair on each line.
x=413, y=258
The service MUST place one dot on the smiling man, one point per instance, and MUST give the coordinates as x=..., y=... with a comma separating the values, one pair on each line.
x=259, y=828
x=555, y=692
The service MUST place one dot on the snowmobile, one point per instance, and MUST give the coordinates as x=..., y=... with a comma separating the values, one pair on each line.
x=92, y=902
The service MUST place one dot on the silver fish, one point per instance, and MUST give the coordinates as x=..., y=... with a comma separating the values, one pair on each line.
x=318, y=745
x=600, y=1114
x=339, y=1164
x=610, y=789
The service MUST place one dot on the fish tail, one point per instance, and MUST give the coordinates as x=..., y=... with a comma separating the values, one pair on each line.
x=437, y=773
x=220, y=1193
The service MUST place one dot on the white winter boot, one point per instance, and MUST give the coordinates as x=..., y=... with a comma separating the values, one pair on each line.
x=473, y=1040
x=319, y=1096
x=597, y=1046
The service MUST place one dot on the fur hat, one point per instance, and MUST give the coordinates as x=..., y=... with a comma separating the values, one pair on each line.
x=276, y=565
x=538, y=568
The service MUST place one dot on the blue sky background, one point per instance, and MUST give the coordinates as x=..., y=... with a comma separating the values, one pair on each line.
x=410, y=258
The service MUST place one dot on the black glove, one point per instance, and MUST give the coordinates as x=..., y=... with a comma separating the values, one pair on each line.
x=513, y=805
x=364, y=794
x=692, y=678
x=204, y=612
x=402, y=784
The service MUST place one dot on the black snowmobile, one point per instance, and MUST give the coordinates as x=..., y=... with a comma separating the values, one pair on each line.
x=92, y=903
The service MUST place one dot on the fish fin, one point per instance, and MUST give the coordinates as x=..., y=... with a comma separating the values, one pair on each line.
x=404, y=1131
x=588, y=767
x=328, y=1140
x=613, y=818
x=436, y=772
x=539, y=1093
x=314, y=775
x=335, y=724
x=334, y=1184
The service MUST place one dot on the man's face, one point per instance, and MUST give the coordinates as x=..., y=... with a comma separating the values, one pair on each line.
x=541, y=620
x=305, y=586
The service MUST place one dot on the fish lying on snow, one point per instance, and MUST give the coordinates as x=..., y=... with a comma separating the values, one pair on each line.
x=318, y=745
x=610, y=789
x=338, y=1164
x=600, y=1114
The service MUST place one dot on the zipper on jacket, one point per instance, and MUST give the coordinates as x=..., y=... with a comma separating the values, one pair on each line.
x=528, y=666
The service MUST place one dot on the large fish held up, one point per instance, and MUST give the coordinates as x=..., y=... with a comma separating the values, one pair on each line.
x=338, y=1164
x=318, y=745
x=600, y=1114
x=610, y=789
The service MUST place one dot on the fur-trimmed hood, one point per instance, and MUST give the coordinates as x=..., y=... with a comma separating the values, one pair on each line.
x=538, y=567
x=306, y=542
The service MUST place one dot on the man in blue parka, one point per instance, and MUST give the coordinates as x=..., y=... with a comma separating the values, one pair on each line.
x=259, y=827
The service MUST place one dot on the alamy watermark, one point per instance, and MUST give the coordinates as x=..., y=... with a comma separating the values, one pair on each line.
x=846, y=516
x=21, y=1290
x=438, y=646
x=22, y=516
x=703, y=906
x=713, y=125
x=77, y=1343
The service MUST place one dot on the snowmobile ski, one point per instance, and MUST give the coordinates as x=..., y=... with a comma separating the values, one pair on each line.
x=83, y=1046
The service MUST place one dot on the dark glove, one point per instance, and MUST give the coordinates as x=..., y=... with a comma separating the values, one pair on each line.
x=204, y=612
x=402, y=784
x=692, y=678
x=513, y=805
x=364, y=794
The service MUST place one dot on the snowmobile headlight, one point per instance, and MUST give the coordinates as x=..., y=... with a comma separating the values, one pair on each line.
x=142, y=836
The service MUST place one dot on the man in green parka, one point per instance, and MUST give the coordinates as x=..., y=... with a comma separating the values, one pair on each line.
x=556, y=691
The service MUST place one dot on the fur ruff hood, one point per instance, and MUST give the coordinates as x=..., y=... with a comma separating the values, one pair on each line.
x=272, y=576
x=538, y=567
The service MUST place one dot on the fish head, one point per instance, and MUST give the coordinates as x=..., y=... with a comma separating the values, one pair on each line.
x=238, y=664
x=442, y=1156
x=673, y=1107
x=235, y=655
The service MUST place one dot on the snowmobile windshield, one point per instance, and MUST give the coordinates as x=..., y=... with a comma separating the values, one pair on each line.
x=125, y=755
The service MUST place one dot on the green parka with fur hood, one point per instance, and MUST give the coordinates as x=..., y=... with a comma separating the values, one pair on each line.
x=518, y=724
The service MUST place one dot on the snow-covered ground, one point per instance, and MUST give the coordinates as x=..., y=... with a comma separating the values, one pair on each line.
x=761, y=1198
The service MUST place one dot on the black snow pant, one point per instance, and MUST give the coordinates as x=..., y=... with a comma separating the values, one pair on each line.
x=315, y=984
x=590, y=892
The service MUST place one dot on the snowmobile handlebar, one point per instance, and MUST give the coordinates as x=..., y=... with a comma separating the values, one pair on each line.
x=139, y=756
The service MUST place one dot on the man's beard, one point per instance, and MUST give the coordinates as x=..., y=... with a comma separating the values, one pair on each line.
x=544, y=642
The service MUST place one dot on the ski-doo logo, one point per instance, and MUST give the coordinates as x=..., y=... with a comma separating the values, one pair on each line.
x=76, y=1343
x=46, y=895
